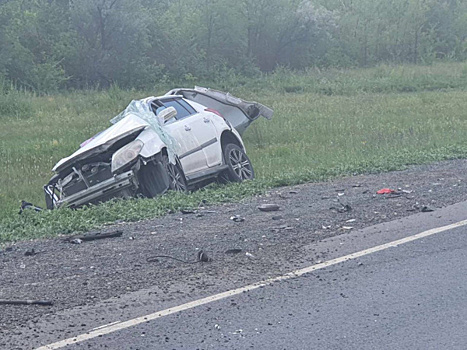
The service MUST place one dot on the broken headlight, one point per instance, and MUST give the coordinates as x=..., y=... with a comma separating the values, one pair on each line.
x=126, y=155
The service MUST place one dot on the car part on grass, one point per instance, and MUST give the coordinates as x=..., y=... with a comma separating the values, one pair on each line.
x=171, y=142
x=28, y=206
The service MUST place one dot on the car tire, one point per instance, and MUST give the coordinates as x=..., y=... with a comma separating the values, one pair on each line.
x=153, y=179
x=156, y=178
x=239, y=165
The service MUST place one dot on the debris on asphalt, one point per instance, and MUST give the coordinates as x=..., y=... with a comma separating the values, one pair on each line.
x=351, y=220
x=251, y=256
x=357, y=185
x=237, y=218
x=30, y=252
x=283, y=227
x=233, y=251
x=277, y=217
x=293, y=192
x=385, y=191
x=201, y=256
x=28, y=206
x=269, y=207
x=426, y=209
x=93, y=236
x=343, y=208
x=347, y=228
x=26, y=302
x=187, y=211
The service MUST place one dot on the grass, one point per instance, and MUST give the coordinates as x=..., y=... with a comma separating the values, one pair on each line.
x=327, y=123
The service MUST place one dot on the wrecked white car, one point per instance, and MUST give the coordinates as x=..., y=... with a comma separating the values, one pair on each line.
x=178, y=141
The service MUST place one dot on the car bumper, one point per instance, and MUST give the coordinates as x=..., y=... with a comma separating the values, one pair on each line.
x=117, y=186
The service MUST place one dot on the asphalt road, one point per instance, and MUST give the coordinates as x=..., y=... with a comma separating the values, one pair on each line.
x=413, y=296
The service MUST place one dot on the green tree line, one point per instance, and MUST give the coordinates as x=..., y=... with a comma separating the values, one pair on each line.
x=46, y=45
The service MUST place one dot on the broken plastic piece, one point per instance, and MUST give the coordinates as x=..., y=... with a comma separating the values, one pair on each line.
x=385, y=191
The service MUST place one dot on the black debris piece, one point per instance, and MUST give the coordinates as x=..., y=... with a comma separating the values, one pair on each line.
x=426, y=209
x=201, y=256
x=30, y=252
x=28, y=206
x=26, y=302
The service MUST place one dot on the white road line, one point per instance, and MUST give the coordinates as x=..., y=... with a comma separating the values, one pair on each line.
x=103, y=330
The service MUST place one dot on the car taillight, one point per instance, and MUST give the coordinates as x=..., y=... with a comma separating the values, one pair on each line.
x=212, y=110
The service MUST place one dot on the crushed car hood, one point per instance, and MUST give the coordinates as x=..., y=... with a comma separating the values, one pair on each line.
x=102, y=141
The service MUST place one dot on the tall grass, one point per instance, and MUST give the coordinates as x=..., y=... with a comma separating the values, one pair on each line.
x=326, y=123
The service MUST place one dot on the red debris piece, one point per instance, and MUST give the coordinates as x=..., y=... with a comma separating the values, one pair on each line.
x=385, y=191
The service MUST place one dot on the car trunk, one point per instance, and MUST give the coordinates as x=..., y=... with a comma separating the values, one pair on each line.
x=238, y=112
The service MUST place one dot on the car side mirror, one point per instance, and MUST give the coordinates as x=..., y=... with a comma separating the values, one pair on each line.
x=167, y=114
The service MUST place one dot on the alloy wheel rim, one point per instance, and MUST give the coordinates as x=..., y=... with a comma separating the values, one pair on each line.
x=175, y=178
x=240, y=164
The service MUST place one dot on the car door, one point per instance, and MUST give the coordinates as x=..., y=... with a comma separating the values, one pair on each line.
x=206, y=134
x=184, y=129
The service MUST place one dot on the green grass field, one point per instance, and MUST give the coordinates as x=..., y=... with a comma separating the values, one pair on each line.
x=327, y=123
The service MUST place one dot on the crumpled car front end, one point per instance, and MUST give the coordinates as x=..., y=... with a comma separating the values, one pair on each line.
x=103, y=172
x=106, y=166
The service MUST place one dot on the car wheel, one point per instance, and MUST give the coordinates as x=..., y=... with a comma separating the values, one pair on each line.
x=239, y=165
x=177, y=181
x=152, y=179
